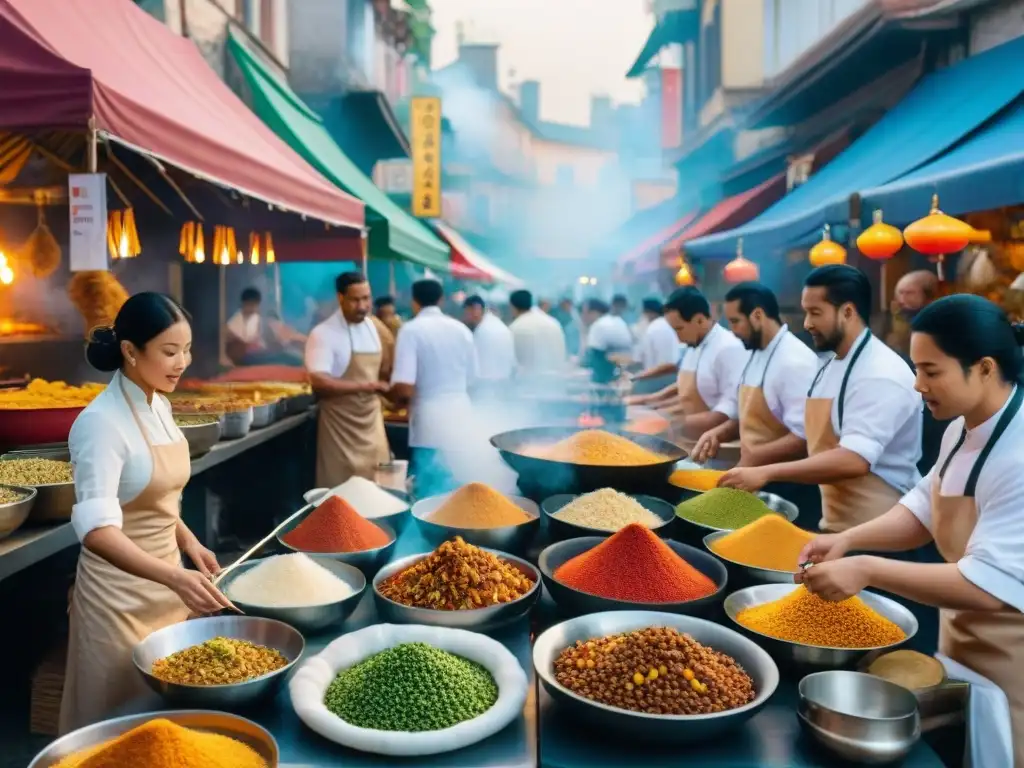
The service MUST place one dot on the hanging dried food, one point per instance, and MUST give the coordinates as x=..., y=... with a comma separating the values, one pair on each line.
x=98, y=296
x=41, y=251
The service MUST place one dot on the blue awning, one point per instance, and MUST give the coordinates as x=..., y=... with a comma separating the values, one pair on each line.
x=641, y=226
x=943, y=108
x=673, y=27
x=985, y=171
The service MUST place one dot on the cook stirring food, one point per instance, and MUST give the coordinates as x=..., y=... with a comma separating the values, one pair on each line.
x=130, y=465
x=969, y=368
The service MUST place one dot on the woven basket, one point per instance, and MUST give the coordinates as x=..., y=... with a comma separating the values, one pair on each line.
x=47, y=689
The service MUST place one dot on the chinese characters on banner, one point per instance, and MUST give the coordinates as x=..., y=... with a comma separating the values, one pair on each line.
x=425, y=138
x=87, y=199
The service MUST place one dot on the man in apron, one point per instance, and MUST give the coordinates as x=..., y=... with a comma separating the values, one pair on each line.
x=609, y=341
x=862, y=415
x=344, y=357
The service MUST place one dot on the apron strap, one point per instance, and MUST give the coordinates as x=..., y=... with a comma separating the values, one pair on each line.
x=135, y=415
x=1004, y=421
x=768, y=362
x=849, y=370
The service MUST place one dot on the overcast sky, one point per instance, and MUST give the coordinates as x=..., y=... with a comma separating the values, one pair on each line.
x=575, y=48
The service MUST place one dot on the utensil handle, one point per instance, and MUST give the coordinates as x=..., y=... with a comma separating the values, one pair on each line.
x=259, y=545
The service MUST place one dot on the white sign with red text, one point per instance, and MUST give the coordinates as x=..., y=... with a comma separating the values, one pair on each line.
x=87, y=202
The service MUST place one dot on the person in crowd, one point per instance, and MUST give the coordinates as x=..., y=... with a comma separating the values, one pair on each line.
x=435, y=365
x=495, y=348
x=862, y=417
x=345, y=362
x=620, y=307
x=545, y=306
x=131, y=463
x=253, y=339
x=538, y=338
x=969, y=369
x=914, y=291
x=659, y=343
x=385, y=311
x=572, y=324
x=609, y=342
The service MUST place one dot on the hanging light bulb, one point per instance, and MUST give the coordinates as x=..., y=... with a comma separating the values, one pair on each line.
x=938, y=234
x=199, y=252
x=827, y=251
x=269, y=251
x=880, y=241
x=684, y=276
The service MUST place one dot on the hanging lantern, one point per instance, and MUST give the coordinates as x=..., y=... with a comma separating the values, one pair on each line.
x=938, y=234
x=254, y=248
x=684, y=276
x=199, y=252
x=827, y=251
x=268, y=242
x=122, y=236
x=880, y=241
x=740, y=269
x=6, y=273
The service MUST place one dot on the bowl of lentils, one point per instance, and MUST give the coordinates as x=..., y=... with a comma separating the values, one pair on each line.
x=15, y=504
x=52, y=480
x=409, y=690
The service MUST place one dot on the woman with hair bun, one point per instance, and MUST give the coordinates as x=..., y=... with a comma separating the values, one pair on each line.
x=131, y=463
x=969, y=369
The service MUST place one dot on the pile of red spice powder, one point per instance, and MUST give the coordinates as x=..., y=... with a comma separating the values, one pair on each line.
x=636, y=566
x=335, y=526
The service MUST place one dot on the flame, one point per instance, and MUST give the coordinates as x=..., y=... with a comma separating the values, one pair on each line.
x=6, y=273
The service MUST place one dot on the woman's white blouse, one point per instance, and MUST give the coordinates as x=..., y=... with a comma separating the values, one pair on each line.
x=112, y=462
x=994, y=560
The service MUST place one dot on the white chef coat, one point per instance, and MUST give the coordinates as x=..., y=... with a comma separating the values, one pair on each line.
x=718, y=361
x=435, y=353
x=247, y=329
x=330, y=344
x=659, y=345
x=111, y=461
x=789, y=376
x=495, y=348
x=610, y=334
x=882, y=412
x=539, y=342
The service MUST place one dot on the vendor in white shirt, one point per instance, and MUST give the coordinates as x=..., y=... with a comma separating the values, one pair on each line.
x=538, y=337
x=130, y=465
x=609, y=342
x=495, y=348
x=969, y=368
x=345, y=362
x=253, y=339
x=862, y=416
x=659, y=345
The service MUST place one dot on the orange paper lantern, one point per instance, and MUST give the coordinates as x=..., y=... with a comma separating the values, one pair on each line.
x=827, y=251
x=740, y=270
x=880, y=241
x=684, y=276
x=938, y=234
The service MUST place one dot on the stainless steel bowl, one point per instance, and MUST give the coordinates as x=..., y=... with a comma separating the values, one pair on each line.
x=776, y=504
x=368, y=560
x=813, y=656
x=562, y=529
x=54, y=500
x=14, y=513
x=299, y=403
x=750, y=573
x=236, y=424
x=201, y=437
x=263, y=415
x=397, y=520
x=859, y=717
x=477, y=619
x=575, y=601
x=654, y=729
x=178, y=637
x=507, y=538
x=238, y=728
x=306, y=618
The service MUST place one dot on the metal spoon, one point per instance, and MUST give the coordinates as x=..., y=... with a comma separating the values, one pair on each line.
x=259, y=545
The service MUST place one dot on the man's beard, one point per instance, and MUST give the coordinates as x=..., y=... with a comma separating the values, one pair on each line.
x=831, y=342
x=754, y=342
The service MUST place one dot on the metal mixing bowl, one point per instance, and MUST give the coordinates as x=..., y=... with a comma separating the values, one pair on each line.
x=507, y=538
x=185, y=634
x=14, y=513
x=575, y=601
x=744, y=572
x=263, y=415
x=654, y=729
x=305, y=618
x=476, y=619
x=201, y=437
x=814, y=656
x=367, y=560
x=859, y=717
x=238, y=728
x=397, y=520
x=236, y=424
x=776, y=504
x=562, y=529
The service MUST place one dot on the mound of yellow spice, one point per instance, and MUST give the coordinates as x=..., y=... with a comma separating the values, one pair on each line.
x=802, y=617
x=770, y=542
x=163, y=744
x=596, y=447
x=478, y=506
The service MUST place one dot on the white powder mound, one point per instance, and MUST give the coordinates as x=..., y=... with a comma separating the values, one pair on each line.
x=288, y=581
x=367, y=498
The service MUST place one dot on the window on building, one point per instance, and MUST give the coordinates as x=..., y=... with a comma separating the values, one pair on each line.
x=710, y=54
x=267, y=23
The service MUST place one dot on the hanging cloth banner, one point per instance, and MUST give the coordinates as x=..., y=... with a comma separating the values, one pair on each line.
x=87, y=204
x=425, y=139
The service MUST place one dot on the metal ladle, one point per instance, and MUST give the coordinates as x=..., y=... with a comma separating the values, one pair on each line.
x=260, y=544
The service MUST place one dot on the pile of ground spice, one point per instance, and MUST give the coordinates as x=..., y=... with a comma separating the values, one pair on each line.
x=335, y=527
x=636, y=566
x=770, y=542
x=723, y=508
x=696, y=479
x=607, y=510
x=596, y=447
x=803, y=617
x=478, y=506
x=163, y=744
x=412, y=687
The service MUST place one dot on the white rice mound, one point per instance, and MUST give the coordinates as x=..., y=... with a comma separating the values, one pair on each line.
x=288, y=581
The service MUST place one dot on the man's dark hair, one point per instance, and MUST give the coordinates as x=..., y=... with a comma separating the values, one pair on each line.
x=474, y=301
x=427, y=293
x=251, y=294
x=843, y=284
x=751, y=296
x=654, y=306
x=595, y=305
x=383, y=301
x=688, y=302
x=620, y=299
x=521, y=300
x=348, y=279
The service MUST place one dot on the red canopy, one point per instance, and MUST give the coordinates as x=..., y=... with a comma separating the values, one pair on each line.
x=63, y=61
x=468, y=264
x=653, y=243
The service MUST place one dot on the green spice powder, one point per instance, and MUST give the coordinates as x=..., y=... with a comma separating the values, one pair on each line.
x=726, y=508
x=411, y=687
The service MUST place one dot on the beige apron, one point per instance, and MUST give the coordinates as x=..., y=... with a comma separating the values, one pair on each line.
x=688, y=403
x=350, y=436
x=758, y=425
x=848, y=502
x=112, y=611
x=991, y=643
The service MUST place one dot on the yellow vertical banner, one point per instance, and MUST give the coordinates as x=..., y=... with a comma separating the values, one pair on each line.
x=425, y=139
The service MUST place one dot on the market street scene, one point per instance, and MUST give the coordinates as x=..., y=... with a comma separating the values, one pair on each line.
x=512, y=383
